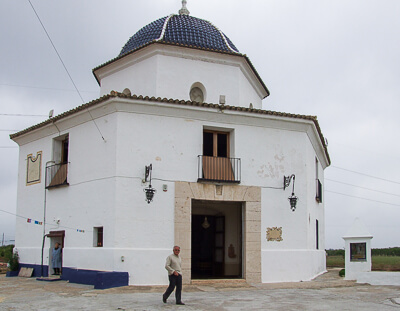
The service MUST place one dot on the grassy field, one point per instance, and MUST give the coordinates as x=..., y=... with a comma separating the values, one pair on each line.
x=335, y=262
x=379, y=263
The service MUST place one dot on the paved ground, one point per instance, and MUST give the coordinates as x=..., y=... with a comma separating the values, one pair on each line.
x=327, y=292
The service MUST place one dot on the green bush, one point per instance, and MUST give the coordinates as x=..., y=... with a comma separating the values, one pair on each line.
x=13, y=263
x=6, y=251
x=342, y=273
x=391, y=251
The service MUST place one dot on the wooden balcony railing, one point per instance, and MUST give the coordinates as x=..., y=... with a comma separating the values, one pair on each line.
x=56, y=175
x=219, y=169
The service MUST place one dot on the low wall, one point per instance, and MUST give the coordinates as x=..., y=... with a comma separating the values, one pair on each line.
x=37, y=269
x=99, y=279
x=379, y=278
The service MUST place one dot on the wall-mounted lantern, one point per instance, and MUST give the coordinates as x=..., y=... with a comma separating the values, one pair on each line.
x=149, y=191
x=292, y=199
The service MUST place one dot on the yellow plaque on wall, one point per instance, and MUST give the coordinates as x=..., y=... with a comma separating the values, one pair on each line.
x=274, y=234
x=33, y=168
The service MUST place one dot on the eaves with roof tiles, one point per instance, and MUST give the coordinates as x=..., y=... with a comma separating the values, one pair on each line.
x=114, y=94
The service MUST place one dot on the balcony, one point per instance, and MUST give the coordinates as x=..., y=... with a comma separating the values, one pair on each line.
x=219, y=169
x=56, y=175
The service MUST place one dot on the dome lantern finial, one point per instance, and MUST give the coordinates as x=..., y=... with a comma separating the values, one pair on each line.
x=184, y=10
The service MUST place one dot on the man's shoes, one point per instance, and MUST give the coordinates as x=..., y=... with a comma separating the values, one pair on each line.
x=164, y=300
x=180, y=303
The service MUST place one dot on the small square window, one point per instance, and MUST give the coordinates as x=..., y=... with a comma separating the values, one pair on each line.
x=98, y=236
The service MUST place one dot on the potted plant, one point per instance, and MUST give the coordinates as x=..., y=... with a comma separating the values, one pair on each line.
x=13, y=265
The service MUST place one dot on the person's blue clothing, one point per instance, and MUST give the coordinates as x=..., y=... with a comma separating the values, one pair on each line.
x=56, y=258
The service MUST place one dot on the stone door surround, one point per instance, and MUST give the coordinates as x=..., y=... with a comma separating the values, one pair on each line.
x=185, y=192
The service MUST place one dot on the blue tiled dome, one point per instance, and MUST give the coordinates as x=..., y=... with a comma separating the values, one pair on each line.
x=181, y=29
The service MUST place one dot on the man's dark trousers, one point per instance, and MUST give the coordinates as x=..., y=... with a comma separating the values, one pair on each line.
x=174, y=281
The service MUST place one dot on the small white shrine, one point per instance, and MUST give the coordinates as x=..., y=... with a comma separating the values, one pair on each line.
x=357, y=250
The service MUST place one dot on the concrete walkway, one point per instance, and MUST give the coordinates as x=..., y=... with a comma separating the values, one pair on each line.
x=327, y=292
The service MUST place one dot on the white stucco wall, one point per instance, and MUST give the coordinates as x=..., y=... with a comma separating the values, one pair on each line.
x=86, y=203
x=292, y=265
x=139, y=77
x=171, y=71
x=30, y=204
x=105, y=187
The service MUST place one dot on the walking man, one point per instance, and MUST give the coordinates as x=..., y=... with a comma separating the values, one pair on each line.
x=173, y=266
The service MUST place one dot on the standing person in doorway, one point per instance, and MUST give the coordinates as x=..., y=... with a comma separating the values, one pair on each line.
x=56, y=259
x=173, y=266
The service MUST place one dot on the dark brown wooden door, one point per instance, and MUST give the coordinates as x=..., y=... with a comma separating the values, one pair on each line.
x=219, y=249
x=208, y=245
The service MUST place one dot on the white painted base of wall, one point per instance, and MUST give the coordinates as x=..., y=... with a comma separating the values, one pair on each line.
x=292, y=265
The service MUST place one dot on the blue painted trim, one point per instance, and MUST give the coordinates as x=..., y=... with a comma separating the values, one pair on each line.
x=11, y=273
x=79, y=276
x=99, y=279
x=111, y=279
x=37, y=269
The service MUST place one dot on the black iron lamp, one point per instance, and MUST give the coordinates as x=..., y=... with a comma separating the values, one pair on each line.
x=292, y=199
x=149, y=191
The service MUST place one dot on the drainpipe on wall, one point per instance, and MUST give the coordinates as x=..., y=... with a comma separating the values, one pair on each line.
x=44, y=216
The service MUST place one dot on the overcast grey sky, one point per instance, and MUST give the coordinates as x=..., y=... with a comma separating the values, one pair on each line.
x=337, y=59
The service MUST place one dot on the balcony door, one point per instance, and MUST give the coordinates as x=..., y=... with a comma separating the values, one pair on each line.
x=216, y=162
x=216, y=144
x=56, y=174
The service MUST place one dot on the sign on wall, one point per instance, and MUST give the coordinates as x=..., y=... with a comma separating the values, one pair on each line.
x=33, y=168
x=274, y=234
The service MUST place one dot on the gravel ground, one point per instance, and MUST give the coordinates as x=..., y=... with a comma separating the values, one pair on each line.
x=327, y=292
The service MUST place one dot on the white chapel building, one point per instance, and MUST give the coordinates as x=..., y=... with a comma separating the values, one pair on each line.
x=177, y=150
